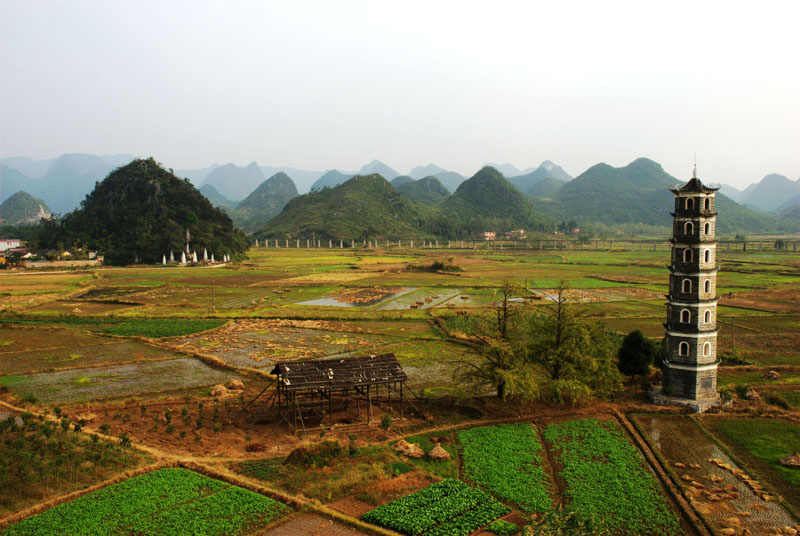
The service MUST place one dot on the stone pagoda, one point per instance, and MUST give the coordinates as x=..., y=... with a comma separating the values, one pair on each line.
x=690, y=361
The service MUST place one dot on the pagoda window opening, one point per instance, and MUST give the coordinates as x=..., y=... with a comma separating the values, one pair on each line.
x=707, y=349
x=689, y=203
x=708, y=203
x=707, y=317
x=708, y=227
x=708, y=285
x=688, y=229
x=687, y=255
x=708, y=255
x=686, y=316
x=683, y=349
x=687, y=286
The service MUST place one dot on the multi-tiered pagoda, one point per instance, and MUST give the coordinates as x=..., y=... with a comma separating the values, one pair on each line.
x=690, y=363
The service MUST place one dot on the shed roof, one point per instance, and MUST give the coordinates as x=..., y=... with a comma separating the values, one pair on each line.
x=339, y=373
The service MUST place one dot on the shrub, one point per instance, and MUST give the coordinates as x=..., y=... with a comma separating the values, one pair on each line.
x=124, y=440
x=30, y=398
x=741, y=391
x=398, y=468
x=386, y=421
x=777, y=399
x=646, y=385
x=105, y=429
x=65, y=424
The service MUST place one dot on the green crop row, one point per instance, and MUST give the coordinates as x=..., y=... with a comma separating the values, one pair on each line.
x=164, y=502
x=447, y=507
x=607, y=481
x=506, y=460
x=469, y=521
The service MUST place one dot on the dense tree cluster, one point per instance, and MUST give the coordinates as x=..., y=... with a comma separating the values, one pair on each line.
x=550, y=353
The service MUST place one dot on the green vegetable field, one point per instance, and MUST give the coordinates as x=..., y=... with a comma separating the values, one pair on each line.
x=169, y=502
x=606, y=479
x=446, y=508
x=506, y=460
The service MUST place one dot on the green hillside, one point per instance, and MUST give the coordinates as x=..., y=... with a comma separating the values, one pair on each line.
x=265, y=202
x=23, y=208
x=401, y=180
x=428, y=190
x=363, y=207
x=142, y=211
x=545, y=188
x=487, y=202
x=639, y=193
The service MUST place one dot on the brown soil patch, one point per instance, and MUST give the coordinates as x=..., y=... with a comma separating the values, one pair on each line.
x=351, y=507
x=312, y=525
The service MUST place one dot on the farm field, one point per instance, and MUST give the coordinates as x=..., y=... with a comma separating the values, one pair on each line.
x=164, y=502
x=81, y=385
x=725, y=497
x=136, y=352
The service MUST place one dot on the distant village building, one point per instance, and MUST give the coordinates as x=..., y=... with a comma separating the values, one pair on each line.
x=9, y=243
x=489, y=235
x=518, y=234
x=690, y=364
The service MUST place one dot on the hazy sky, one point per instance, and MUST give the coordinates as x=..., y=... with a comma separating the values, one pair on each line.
x=327, y=84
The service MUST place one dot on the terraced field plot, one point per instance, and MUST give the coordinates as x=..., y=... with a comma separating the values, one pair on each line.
x=447, y=508
x=101, y=352
x=116, y=381
x=260, y=343
x=506, y=460
x=606, y=478
x=169, y=502
x=67, y=307
x=760, y=444
x=722, y=497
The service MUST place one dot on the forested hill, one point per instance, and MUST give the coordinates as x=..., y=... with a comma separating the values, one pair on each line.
x=487, y=202
x=142, y=211
x=427, y=190
x=639, y=193
x=265, y=202
x=23, y=208
x=364, y=207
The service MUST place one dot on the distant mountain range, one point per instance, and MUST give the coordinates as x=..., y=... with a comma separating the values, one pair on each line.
x=62, y=182
x=771, y=193
x=331, y=178
x=446, y=201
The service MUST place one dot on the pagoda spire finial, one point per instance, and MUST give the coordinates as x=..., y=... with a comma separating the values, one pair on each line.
x=694, y=169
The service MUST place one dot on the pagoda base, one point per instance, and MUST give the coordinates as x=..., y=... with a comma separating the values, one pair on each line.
x=697, y=405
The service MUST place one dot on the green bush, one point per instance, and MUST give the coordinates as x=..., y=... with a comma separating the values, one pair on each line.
x=777, y=400
x=386, y=421
x=741, y=391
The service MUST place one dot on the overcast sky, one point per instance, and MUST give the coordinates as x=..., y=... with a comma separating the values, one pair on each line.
x=334, y=84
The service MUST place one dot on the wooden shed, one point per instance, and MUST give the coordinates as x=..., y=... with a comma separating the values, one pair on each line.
x=309, y=393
